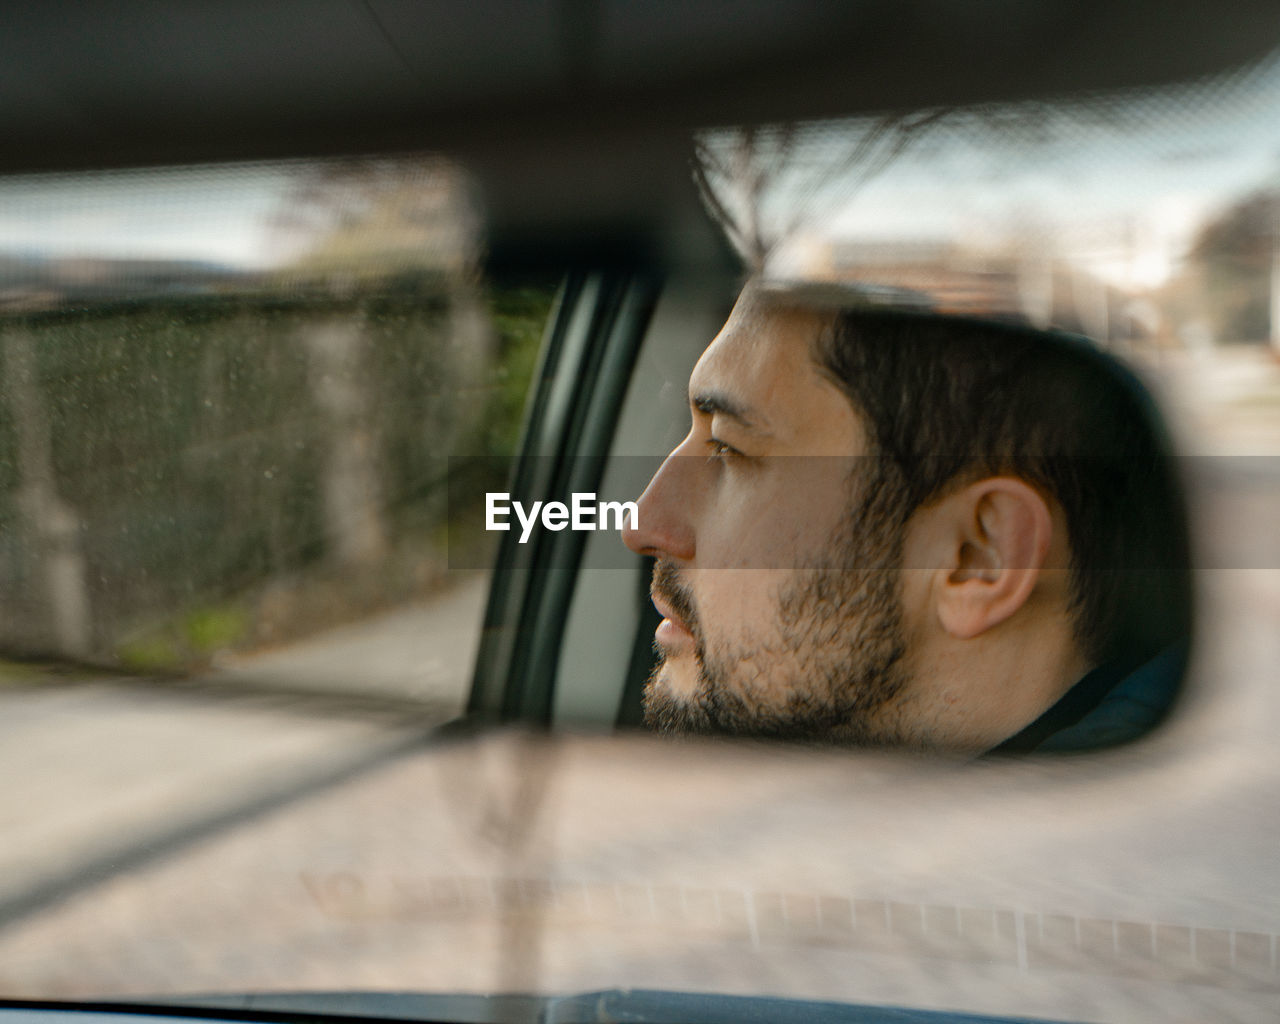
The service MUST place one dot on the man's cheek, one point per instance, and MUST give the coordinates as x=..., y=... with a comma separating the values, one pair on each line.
x=779, y=541
x=749, y=532
x=737, y=608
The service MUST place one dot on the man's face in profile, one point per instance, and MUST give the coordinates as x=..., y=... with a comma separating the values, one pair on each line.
x=775, y=576
x=812, y=587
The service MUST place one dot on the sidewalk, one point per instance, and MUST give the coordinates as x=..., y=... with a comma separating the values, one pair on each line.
x=423, y=652
x=1222, y=402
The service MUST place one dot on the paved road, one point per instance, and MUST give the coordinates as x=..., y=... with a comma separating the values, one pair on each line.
x=103, y=775
x=100, y=775
x=336, y=848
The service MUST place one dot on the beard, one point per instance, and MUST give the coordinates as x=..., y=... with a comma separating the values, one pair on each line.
x=833, y=668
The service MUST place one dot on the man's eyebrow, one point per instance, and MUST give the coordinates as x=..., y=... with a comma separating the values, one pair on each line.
x=716, y=403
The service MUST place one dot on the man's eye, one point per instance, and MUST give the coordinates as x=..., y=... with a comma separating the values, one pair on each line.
x=720, y=450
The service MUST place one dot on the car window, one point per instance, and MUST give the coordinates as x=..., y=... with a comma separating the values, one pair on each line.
x=281, y=654
x=236, y=399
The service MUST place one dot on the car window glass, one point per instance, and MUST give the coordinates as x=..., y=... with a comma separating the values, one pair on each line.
x=231, y=399
x=250, y=417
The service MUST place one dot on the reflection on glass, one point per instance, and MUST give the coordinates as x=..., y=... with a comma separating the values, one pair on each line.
x=1147, y=219
x=229, y=399
x=1147, y=222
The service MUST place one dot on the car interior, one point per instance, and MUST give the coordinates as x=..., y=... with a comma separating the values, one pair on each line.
x=288, y=291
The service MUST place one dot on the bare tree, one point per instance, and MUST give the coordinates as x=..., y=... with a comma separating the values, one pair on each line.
x=764, y=184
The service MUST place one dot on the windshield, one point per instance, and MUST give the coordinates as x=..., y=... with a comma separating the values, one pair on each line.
x=278, y=610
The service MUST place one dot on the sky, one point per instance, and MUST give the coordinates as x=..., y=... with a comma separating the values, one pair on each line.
x=221, y=214
x=1118, y=187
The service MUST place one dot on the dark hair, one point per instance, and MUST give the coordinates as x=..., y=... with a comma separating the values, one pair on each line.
x=947, y=400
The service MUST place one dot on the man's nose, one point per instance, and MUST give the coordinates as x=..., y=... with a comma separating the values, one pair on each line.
x=663, y=526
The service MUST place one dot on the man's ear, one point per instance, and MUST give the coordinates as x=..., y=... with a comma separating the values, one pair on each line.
x=996, y=535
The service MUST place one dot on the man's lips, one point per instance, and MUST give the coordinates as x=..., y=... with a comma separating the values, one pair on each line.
x=672, y=628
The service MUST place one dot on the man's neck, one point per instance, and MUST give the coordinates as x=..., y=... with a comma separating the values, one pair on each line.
x=986, y=690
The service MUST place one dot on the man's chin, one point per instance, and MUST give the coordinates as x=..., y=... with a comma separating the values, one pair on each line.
x=669, y=705
x=677, y=675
